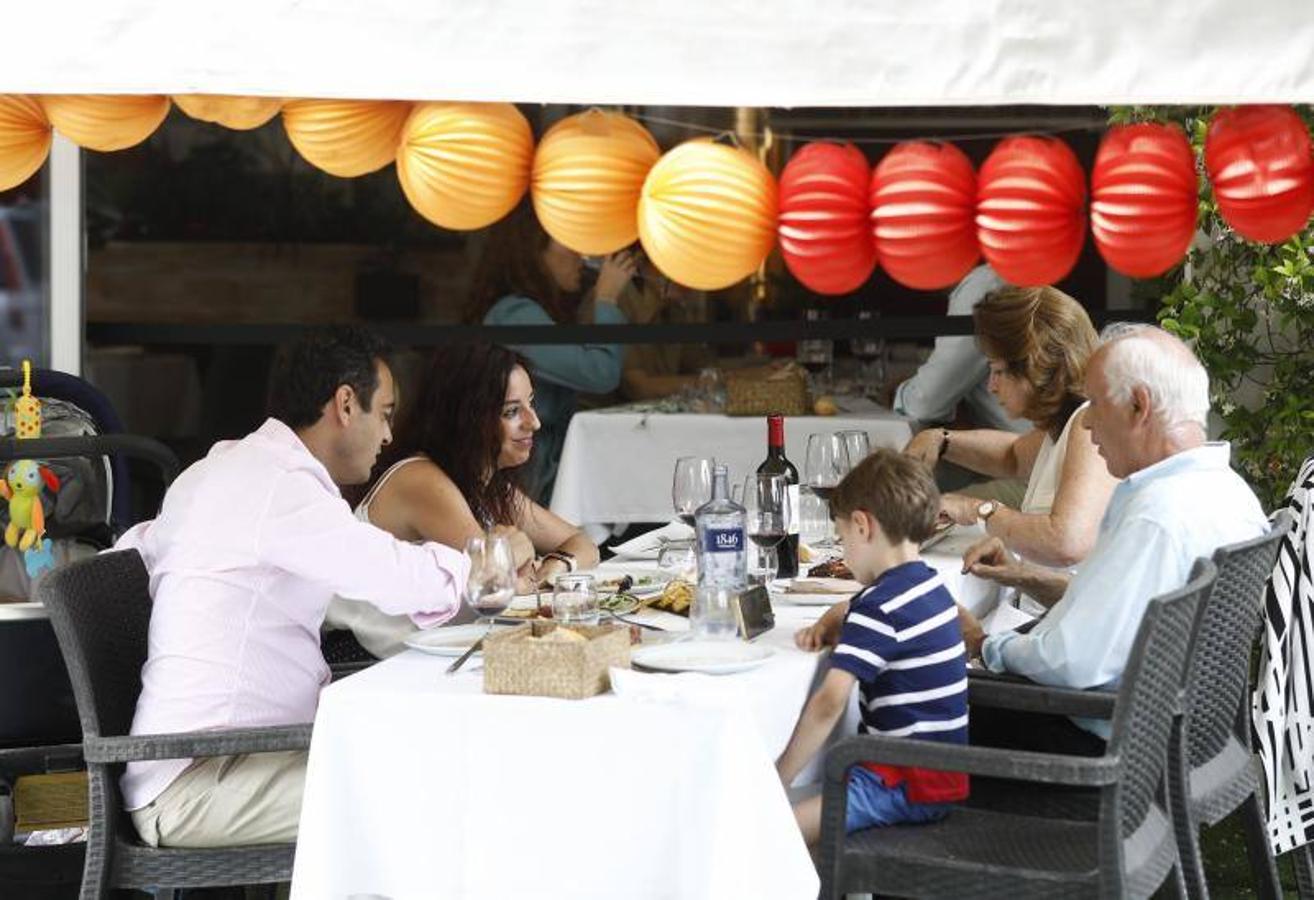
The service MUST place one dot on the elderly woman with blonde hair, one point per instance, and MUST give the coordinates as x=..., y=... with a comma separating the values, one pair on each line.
x=1037, y=342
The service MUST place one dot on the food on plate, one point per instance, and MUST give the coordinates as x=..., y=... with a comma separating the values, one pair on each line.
x=617, y=584
x=677, y=597
x=805, y=553
x=560, y=635
x=833, y=569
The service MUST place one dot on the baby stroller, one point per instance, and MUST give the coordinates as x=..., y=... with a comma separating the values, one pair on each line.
x=83, y=444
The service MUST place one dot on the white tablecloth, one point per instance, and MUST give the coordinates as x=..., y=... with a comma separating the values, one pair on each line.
x=420, y=785
x=616, y=467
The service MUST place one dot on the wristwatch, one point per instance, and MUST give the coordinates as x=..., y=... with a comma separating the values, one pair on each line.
x=986, y=510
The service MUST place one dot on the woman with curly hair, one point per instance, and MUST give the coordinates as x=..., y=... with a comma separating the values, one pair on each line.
x=453, y=472
x=1037, y=341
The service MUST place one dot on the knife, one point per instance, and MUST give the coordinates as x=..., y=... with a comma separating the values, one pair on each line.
x=460, y=660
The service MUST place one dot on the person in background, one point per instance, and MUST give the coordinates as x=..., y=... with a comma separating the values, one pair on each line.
x=953, y=383
x=525, y=277
x=660, y=370
x=454, y=472
x=1037, y=342
x=250, y=546
x=898, y=639
x=1179, y=500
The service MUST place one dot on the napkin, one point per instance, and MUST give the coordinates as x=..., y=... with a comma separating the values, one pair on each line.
x=649, y=544
x=685, y=688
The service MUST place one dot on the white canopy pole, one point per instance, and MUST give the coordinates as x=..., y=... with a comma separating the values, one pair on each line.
x=672, y=52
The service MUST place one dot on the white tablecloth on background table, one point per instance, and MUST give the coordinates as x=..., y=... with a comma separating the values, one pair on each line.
x=616, y=467
x=420, y=785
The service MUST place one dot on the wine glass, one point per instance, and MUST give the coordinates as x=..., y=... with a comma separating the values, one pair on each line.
x=492, y=581
x=857, y=444
x=826, y=465
x=691, y=486
x=766, y=516
x=870, y=353
x=815, y=354
x=575, y=600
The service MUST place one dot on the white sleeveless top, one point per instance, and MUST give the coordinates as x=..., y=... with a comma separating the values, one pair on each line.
x=381, y=634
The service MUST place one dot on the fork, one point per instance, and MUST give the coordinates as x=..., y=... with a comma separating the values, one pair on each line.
x=619, y=618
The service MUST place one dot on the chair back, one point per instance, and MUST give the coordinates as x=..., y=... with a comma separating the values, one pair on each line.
x=1218, y=673
x=101, y=610
x=1150, y=696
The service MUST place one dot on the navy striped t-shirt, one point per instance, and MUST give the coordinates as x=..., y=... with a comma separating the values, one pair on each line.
x=902, y=642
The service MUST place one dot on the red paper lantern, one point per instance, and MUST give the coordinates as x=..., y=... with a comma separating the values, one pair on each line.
x=1143, y=198
x=823, y=229
x=923, y=199
x=1261, y=164
x=1030, y=216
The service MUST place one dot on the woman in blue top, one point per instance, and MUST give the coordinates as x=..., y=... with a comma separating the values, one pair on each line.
x=526, y=278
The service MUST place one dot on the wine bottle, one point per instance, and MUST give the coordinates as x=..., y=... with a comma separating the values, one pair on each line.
x=776, y=463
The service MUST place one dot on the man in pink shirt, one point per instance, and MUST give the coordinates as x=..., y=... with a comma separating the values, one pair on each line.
x=250, y=546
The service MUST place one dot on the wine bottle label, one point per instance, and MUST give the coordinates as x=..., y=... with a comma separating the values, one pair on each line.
x=794, y=510
x=723, y=540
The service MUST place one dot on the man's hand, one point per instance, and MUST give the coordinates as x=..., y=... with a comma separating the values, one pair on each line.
x=825, y=631
x=990, y=559
x=973, y=634
x=925, y=445
x=959, y=509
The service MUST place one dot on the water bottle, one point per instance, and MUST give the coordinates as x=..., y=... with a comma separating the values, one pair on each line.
x=722, y=560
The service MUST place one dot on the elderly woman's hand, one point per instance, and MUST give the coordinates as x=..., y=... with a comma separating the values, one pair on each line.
x=926, y=445
x=959, y=509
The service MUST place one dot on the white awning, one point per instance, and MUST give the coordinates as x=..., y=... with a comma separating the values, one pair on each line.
x=672, y=52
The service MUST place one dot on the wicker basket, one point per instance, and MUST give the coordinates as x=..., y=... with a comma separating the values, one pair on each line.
x=783, y=391
x=515, y=664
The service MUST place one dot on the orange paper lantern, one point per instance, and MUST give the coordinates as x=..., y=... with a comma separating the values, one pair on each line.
x=824, y=232
x=1143, y=198
x=346, y=138
x=238, y=113
x=923, y=209
x=588, y=172
x=1260, y=162
x=1030, y=217
x=24, y=139
x=465, y=165
x=105, y=122
x=707, y=214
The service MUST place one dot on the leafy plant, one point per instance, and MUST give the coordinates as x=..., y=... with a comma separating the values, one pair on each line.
x=1248, y=310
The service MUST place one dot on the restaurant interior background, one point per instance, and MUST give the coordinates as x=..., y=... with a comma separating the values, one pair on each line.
x=203, y=244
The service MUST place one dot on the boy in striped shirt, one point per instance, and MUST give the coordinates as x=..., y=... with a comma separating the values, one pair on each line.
x=898, y=639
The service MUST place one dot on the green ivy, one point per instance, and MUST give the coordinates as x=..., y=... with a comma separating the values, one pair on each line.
x=1248, y=310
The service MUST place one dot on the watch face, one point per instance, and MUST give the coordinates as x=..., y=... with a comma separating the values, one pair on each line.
x=985, y=510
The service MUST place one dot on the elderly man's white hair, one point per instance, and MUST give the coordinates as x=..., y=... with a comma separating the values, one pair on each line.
x=1137, y=354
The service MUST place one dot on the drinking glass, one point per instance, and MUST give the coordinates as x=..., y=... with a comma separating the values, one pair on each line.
x=826, y=465
x=767, y=512
x=870, y=353
x=492, y=581
x=678, y=560
x=857, y=444
x=816, y=354
x=691, y=486
x=575, y=600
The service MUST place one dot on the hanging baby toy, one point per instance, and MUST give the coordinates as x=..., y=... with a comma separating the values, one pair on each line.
x=22, y=484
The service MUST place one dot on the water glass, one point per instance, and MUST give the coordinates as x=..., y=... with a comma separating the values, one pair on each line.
x=575, y=600
x=857, y=444
x=712, y=615
x=678, y=560
x=691, y=486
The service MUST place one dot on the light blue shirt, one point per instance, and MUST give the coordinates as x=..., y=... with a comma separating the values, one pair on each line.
x=1159, y=521
x=956, y=370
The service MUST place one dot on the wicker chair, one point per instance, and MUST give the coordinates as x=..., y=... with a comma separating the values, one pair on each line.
x=101, y=609
x=1127, y=851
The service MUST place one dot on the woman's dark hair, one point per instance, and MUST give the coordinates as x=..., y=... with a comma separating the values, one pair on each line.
x=512, y=263
x=308, y=372
x=455, y=421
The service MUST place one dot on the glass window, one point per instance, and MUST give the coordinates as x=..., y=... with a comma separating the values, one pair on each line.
x=24, y=272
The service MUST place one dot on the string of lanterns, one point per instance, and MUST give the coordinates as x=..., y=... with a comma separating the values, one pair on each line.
x=708, y=213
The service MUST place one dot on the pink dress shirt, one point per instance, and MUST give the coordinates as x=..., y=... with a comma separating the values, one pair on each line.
x=249, y=548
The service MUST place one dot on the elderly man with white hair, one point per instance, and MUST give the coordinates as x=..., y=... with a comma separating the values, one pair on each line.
x=1179, y=500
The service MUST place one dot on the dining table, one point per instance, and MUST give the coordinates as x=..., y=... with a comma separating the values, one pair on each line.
x=419, y=784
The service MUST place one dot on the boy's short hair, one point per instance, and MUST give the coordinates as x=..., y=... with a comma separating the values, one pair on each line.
x=896, y=490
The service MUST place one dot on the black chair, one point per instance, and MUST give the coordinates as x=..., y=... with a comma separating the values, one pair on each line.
x=101, y=609
x=1128, y=850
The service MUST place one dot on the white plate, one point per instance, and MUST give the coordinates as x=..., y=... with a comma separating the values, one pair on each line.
x=709, y=657
x=451, y=641
x=808, y=599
